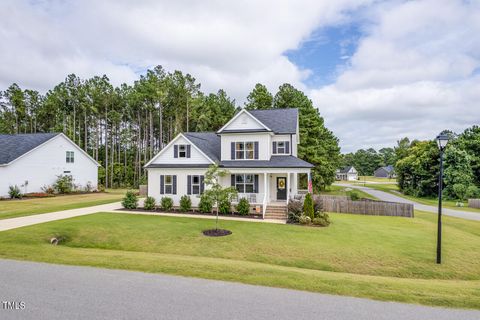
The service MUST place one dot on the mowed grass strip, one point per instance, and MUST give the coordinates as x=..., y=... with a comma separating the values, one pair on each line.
x=386, y=258
x=26, y=207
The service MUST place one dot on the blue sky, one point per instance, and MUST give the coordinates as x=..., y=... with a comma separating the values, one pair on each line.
x=377, y=70
x=326, y=52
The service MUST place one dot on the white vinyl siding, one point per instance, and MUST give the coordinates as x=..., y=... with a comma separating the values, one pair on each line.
x=167, y=156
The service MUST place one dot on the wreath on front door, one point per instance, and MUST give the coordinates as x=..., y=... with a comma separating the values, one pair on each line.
x=281, y=184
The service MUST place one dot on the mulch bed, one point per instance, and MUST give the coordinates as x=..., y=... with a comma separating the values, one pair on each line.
x=216, y=232
x=197, y=213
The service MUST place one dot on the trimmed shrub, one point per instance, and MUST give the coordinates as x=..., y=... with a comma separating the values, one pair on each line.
x=308, y=206
x=14, y=192
x=322, y=220
x=225, y=207
x=243, y=207
x=317, y=206
x=354, y=196
x=64, y=184
x=130, y=201
x=166, y=203
x=185, y=203
x=460, y=191
x=205, y=205
x=304, y=219
x=149, y=203
x=295, y=210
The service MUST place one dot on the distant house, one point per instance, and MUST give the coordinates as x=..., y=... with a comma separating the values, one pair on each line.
x=348, y=173
x=32, y=161
x=385, y=172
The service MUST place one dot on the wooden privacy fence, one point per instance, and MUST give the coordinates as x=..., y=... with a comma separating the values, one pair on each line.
x=374, y=208
x=474, y=203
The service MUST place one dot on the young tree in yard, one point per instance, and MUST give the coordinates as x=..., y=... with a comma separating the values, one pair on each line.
x=214, y=191
x=259, y=98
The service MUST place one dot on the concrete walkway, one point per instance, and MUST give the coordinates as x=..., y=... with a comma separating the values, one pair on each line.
x=19, y=222
x=385, y=196
x=68, y=292
x=7, y=224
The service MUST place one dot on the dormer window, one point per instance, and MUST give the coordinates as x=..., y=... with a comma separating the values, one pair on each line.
x=245, y=150
x=281, y=147
x=181, y=151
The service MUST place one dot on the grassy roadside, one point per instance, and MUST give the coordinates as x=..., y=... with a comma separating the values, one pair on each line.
x=393, y=189
x=27, y=207
x=346, y=258
x=343, y=191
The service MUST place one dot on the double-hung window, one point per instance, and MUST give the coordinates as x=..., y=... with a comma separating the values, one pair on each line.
x=245, y=183
x=168, y=184
x=245, y=150
x=70, y=157
x=182, y=150
x=195, y=184
x=281, y=147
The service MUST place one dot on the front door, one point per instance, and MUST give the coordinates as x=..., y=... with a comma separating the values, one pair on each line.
x=281, y=188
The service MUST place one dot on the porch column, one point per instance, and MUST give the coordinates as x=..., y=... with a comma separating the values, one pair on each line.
x=288, y=187
x=265, y=193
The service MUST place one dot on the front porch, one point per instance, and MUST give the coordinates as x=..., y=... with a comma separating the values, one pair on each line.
x=266, y=190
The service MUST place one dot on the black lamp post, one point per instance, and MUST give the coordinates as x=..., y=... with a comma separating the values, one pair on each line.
x=442, y=141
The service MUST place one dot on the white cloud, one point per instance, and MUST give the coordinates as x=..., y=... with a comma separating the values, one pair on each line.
x=413, y=72
x=225, y=44
x=412, y=75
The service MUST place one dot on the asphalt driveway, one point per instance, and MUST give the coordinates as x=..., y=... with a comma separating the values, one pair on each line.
x=67, y=292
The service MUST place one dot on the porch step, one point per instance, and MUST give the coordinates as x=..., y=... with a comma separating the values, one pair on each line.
x=276, y=211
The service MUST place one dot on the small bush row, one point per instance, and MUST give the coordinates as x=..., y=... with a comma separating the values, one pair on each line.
x=130, y=201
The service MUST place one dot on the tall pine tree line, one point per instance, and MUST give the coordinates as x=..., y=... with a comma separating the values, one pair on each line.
x=123, y=127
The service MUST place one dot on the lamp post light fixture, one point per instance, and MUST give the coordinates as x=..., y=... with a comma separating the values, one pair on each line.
x=442, y=141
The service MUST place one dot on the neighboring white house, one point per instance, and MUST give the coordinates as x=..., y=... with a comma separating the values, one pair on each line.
x=32, y=161
x=258, y=148
x=348, y=173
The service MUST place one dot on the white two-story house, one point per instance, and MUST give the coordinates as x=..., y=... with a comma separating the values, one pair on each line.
x=258, y=148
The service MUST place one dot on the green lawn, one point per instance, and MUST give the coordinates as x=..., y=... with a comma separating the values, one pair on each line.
x=27, y=207
x=385, y=258
x=342, y=191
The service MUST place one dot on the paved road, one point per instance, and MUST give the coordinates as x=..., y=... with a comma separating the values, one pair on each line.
x=385, y=196
x=67, y=292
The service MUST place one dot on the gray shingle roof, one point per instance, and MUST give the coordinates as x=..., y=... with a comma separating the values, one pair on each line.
x=344, y=169
x=208, y=142
x=274, y=162
x=13, y=146
x=278, y=120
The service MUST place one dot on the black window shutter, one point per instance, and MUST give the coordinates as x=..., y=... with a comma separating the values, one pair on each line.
x=232, y=180
x=174, y=178
x=287, y=146
x=232, y=151
x=175, y=151
x=256, y=149
x=202, y=184
x=255, y=186
x=188, y=151
x=162, y=184
x=189, y=184
x=274, y=147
